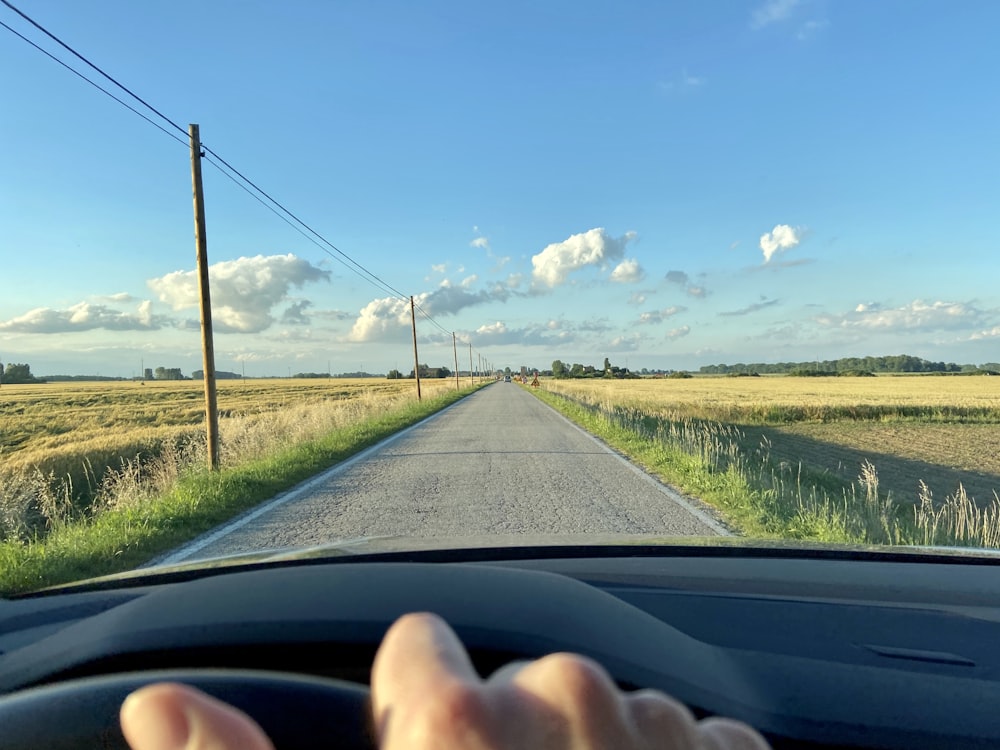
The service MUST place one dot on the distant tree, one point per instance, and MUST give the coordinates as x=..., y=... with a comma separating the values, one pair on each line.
x=558, y=369
x=607, y=367
x=20, y=374
x=394, y=375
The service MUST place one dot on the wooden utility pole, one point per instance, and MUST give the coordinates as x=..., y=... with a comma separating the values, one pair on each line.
x=205, y=299
x=454, y=349
x=470, y=364
x=416, y=359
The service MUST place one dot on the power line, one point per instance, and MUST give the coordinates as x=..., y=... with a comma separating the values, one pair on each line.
x=344, y=259
x=92, y=83
x=63, y=44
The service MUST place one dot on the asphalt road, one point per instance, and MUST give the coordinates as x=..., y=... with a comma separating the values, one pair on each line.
x=497, y=463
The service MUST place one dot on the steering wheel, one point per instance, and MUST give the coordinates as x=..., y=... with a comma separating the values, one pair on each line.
x=295, y=711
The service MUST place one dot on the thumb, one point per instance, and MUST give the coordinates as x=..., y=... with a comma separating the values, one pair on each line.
x=168, y=716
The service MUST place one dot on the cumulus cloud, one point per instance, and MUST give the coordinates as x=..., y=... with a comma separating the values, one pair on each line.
x=469, y=281
x=385, y=319
x=498, y=334
x=245, y=291
x=779, y=239
x=637, y=298
x=756, y=307
x=628, y=272
x=557, y=261
x=658, y=316
x=480, y=242
x=696, y=291
x=677, y=333
x=917, y=315
x=439, y=267
x=626, y=343
x=772, y=11
x=85, y=316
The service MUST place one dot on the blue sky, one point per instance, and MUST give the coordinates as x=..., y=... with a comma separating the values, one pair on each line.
x=665, y=184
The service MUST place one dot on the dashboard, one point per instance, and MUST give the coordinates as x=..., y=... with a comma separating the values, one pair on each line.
x=814, y=651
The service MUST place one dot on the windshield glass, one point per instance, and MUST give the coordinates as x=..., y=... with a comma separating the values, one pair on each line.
x=750, y=248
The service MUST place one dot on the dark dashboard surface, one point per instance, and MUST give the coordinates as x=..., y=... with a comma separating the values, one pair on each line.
x=813, y=652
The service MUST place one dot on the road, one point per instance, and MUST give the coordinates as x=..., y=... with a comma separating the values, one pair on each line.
x=497, y=463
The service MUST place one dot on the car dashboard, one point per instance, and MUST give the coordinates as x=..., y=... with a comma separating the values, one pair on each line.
x=813, y=650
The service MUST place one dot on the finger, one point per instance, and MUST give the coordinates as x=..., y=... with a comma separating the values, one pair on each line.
x=661, y=722
x=726, y=734
x=168, y=716
x=572, y=695
x=423, y=679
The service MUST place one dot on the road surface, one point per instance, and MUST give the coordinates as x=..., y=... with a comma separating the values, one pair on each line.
x=499, y=462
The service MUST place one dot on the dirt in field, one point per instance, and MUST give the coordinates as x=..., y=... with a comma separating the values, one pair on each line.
x=942, y=455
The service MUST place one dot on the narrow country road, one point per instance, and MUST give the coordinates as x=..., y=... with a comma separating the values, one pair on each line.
x=499, y=462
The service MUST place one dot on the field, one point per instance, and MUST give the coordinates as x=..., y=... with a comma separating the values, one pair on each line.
x=63, y=445
x=920, y=444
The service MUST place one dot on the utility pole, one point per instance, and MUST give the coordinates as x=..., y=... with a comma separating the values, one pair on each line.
x=454, y=349
x=205, y=301
x=416, y=359
x=471, y=375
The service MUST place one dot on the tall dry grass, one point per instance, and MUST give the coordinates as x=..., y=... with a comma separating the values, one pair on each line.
x=86, y=479
x=780, y=498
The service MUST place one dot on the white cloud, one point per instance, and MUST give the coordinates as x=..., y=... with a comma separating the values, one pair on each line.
x=244, y=291
x=498, y=334
x=85, y=316
x=677, y=333
x=469, y=281
x=627, y=343
x=658, y=316
x=990, y=333
x=386, y=319
x=696, y=291
x=779, y=239
x=628, y=272
x=439, y=267
x=637, y=298
x=553, y=265
x=915, y=316
x=772, y=11
x=480, y=242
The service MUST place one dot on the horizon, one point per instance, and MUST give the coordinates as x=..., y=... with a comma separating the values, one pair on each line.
x=669, y=187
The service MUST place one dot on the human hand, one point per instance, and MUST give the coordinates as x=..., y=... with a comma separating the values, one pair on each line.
x=425, y=693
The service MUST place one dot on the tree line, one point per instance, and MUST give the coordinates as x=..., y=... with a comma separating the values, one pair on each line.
x=576, y=370
x=848, y=365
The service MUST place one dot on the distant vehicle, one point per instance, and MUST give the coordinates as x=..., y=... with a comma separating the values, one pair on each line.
x=506, y=378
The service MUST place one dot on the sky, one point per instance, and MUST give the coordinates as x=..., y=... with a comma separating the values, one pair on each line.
x=668, y=185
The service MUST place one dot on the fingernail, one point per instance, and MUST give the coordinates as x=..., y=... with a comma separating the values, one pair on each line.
x=151, y=722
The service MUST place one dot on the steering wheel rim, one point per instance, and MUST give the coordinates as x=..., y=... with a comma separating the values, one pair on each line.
x=294, y=710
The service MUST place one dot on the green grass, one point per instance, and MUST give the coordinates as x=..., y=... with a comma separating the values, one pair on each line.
x=122, y=539
x=760, y=497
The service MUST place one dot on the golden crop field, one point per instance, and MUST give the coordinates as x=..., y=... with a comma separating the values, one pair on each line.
x=942, y=430
x=59, y=426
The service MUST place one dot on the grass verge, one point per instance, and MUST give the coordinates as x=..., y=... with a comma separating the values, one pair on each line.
x=760, y=497
x=124, y=538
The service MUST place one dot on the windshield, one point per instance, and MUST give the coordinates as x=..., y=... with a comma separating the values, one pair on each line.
x=750, y=248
